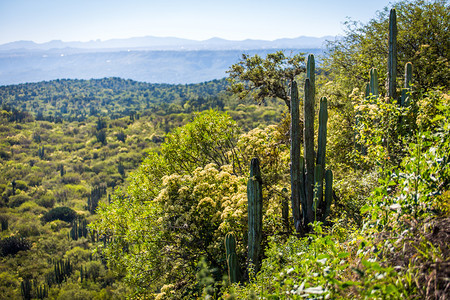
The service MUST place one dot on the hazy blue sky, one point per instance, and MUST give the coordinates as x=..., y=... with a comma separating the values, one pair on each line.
x=84, y=20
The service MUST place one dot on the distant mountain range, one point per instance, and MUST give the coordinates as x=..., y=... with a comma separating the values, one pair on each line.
x=148, y=59
x=172, y=43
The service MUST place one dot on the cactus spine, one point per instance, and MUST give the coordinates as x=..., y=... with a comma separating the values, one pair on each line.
x=232, y=259
x=392, y=58
x=254, y=196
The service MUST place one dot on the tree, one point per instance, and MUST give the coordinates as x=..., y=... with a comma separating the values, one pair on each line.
x=265, y=78
x=181, y=202
x=423, y=39
x=209, y=138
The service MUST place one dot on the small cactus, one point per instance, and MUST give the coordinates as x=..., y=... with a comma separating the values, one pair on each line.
x=232, y=259
x=407, y=88
x=374, y=82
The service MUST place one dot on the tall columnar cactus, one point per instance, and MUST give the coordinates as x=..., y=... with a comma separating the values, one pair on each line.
x=321, y=146
x=328, y=193
x=254, y=195
x=373, y=86
x=25, y=289
x=407, y=87
x=297, y=187
x=308, y=150
x=232, y=259
x=392, y=58
x=311, y=72
x=307, y=173
x=285, y=210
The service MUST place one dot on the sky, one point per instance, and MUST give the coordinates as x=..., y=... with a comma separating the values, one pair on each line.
x=85, y=20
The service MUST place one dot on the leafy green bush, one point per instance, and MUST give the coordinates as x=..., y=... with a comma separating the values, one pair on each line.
x=62, y=213
x=18, y=200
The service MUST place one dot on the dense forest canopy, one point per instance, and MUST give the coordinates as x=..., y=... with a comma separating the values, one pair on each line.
x=113, y=188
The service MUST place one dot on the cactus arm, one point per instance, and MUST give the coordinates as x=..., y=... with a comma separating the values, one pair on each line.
x=407, y=88
x=296, y=173
x=254, y=195
x=328, y=193
x=321, y=145
x=310, y=72
x=308, y=140
x=392, y=56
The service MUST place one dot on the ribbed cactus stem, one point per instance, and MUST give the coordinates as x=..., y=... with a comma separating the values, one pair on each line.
x=254, y=195
x=296, y=174
x=328, y=193
x=318, y=179
x=308, y=140
x=310, y=72
x=407, y=87
x=232, y=259
x=374, y=82
x=367, y=91
x=392, y=56
x=321, y=144
x=285, y=209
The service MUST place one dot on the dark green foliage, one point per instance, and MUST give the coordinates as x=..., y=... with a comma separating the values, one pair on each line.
x=94, y=197
x=61, y=170
x=255, y=201
x=79, y=229
x=42, y=291
x=13, y=185
x=4, y=222
x=232, y=258
x=101, y=136
x=25, y=289
x=121, y=169
x=265, y=78
x=62, y=213
x=101, y=124
x=13, y=244
x=62, y=269
x=121, y=136
x=41, y=152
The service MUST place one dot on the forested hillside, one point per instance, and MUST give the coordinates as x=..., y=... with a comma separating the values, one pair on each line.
x=292, y=179
x=65, y=146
